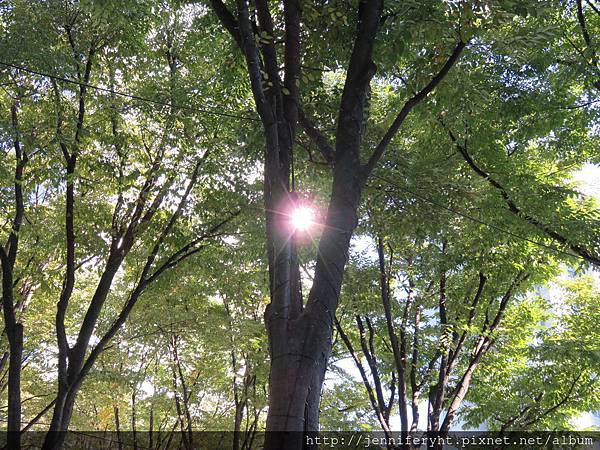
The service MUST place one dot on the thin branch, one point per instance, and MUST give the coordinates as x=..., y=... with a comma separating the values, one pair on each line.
x=410, y=104
x=317, y=137
x=472, y=309
x=38, y=416
x=516, y=210
x=522, y=413
x=583, y=26
x=557, y=405
x=397, y=349
x=594, y=7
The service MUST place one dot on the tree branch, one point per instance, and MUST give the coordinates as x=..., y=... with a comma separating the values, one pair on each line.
x=228, y=21
x=483, y=344
x=463, y=337
x=410, y=104
x=397, y=349
x=553, y=408
x=317, y=137
x=363, y=374
x=589, y=2
x=361, y=70
x=253, y=63
x=369, y=352
x=516, y=210
x=292, y=68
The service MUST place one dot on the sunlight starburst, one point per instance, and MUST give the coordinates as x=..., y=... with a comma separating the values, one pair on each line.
x=303, y=218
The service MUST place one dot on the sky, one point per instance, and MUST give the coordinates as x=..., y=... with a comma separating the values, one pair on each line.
x=588, y=179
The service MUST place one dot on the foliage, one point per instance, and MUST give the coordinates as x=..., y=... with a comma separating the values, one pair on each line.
x=479, y=181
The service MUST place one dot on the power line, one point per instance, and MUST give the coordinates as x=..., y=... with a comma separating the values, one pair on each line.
x=473, y=219
x=128, y=95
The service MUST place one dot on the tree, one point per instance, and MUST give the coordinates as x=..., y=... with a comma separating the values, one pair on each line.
x=520, y=202
x=149, y=182
x=547, y=374
x=299, y=333
x=8, y=257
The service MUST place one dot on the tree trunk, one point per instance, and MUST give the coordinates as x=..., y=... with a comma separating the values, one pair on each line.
x=295, y=383
x=14, y=333
x=134, y=418
x=61, y=416
x=237, y=425
x=14, y=329
x=118, y=428
x=300, y=350
x=14, y=386
x=151, y=428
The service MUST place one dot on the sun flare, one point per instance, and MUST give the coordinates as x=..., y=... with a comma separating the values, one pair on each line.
x=303, y=218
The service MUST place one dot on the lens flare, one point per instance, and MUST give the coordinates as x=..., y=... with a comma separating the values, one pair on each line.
x=303, y=218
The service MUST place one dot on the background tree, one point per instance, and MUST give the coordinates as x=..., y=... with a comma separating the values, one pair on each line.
x=135, y=183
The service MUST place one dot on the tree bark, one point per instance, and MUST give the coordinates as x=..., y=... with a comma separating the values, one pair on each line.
x=13, y=328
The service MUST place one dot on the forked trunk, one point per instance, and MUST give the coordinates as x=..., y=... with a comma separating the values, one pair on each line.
x=300, y=344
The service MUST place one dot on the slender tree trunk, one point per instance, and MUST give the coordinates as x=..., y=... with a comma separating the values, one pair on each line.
x=118, y=428
x=14, y=329
x=237, y=424
x=14, y=387
x=151, y=428
x=14, y=333
x=134, y=418
x=239, y=401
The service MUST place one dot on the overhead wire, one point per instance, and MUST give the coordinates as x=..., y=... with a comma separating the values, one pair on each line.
x=236, y=116
x=127, y=94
